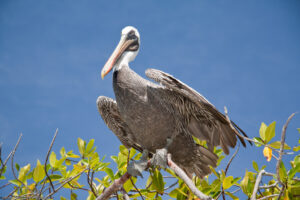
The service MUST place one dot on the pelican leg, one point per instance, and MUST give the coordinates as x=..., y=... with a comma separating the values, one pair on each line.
x=135, y=168
x=160, y=157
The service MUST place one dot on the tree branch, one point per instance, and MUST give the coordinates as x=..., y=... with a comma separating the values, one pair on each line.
x=125, y=195
x=90, y=182
x=257, y=182
x=231, y=159
x=45, y=165
x=268, y=186
x=64, y=183
x=6, y=160
x=179, y=172
x=226, y=169
x=281, y=153
x=12, y=160
x=137, y=189
x=268, y=197
x=117, y=184
x=282, y=146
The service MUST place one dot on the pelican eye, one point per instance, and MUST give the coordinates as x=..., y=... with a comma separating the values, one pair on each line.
x=131, y=35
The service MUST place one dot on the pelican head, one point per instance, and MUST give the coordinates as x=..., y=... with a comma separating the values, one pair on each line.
x=125, y=52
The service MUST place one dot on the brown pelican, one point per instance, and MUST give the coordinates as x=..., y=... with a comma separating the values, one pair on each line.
x=162, y=117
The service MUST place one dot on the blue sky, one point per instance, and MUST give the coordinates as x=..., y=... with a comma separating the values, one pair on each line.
x=243, y=55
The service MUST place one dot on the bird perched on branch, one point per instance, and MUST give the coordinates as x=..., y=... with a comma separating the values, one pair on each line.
x=164, y=117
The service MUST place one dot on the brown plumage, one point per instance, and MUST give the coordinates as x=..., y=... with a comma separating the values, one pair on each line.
x=145, y=115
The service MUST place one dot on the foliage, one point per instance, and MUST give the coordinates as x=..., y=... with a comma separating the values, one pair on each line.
x=86, y=172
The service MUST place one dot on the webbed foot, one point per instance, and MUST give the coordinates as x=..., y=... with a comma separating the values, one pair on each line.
x=160, y=158
x=135, y=168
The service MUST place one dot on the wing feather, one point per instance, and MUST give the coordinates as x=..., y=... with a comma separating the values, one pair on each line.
x=109, y=112
x=205, y=121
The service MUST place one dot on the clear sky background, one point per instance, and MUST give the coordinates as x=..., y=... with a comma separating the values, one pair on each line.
x=241, y=54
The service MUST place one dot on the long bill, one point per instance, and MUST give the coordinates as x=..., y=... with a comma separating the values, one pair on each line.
x=122, y=46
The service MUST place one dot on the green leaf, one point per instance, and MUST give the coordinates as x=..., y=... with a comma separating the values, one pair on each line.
x=132, y=152
x=52, y=159
x=270, y=132
x=277, y=145
x=60, y=162
x=55, y=177
x=173, y=193
x=255, y=166
x=110, y=173
x=73, y=196
x=90, y=145
x=15, y=182
x=128, y=184
x=62, y=198
x=4, y=169
x=294, y=170
x=68, y=162
x=23, y=172
x=296, y=148
x=227, y=182
x=262, y=131
x=72, y=155
x=235, y=180
x=298, y=130
x=232, y=196
x=157, y=181
x=244, y=182
x=282, y=171
x=258, y=141
x=17, y=167
x=62, y=152
x=80, y=144
x=2, y=177
x=38, y=172
x=215, y=173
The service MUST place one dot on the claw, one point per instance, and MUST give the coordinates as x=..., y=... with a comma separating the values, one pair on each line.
x=135, y=168
x=160, y=158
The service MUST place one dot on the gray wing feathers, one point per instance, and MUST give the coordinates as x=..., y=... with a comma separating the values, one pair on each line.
x=109, y=112
x=205, y=121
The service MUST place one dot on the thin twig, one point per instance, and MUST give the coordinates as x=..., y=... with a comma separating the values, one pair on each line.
x=128, y=158
x=64, y=183
x=268, y=186
x=170, y=186
x=275, y=157
x=268, y=197
x=257, y=182
x=245, y=138
x=125, y=195
x=116, y=185
x=179, y=172
x=6, y=160
x=226, y=169
x=231, y=159
x=235, y=191
x=90, y=182
x=281, y=153
x=11, y=193
x=45, y=165
x=136, y=188
x=282, y=146
x=169, y=177
x=77, y=188
x=3, y=186
x=269, y=174
x=12, y=160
